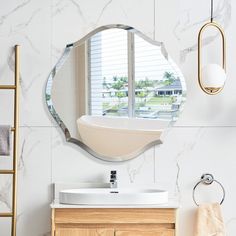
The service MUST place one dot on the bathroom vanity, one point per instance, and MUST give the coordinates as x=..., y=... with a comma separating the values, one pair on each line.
x=87, y=220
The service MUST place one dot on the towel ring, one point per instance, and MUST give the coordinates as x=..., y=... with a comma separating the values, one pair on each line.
x=208, y=179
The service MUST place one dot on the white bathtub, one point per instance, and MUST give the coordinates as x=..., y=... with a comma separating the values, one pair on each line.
x=122, y=138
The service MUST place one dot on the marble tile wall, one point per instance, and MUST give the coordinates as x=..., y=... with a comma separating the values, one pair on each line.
x=203, y=140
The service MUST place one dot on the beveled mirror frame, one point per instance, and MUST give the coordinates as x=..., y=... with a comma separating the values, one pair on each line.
x=60, y=63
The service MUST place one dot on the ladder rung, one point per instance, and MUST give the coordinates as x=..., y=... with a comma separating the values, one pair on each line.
x=7, y=87
x=8, y=214
x=13, y=129
x=7, y=172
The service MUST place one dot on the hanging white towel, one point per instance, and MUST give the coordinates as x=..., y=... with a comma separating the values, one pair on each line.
x=209, y=220
x=5, y=140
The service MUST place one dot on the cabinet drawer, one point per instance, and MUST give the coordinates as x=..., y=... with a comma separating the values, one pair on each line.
x=145, y=233
x=84, y=232
x=115, y=216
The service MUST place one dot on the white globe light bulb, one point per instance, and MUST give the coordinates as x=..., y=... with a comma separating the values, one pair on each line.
x=213, y=76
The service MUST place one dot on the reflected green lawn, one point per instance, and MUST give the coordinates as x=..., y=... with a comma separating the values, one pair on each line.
x=159, y=100
x=112, y=109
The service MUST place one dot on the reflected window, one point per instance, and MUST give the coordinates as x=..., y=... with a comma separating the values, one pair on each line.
x=129, y=76
x=108, y=73
x=157, y=83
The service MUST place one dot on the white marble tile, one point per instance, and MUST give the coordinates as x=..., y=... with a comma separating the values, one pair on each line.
x=191, y=18
x=165, y=25
x=6, y=162
x=5, y=193
x=71, y=164
x=179, y=33
x=73, y=19
x=182, y=141
x=27, y=23
x=231, y=226
x=195, y=151
x=5, y=226
x=34, y=182
x=204, y=110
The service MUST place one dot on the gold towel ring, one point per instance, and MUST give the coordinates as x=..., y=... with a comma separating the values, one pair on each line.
x=208, y=90
x=208, y=179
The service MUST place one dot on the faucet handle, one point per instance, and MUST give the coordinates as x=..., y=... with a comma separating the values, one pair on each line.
x=113, y=175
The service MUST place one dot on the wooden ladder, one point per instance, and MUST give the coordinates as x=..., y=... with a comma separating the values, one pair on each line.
x=15, y=130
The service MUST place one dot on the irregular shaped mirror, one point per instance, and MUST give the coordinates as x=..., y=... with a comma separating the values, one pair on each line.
x=114, y=91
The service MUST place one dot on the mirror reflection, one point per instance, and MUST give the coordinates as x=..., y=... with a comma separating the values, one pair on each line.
x=115, y=72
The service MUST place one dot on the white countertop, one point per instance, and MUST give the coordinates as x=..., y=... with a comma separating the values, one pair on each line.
x=171, y=204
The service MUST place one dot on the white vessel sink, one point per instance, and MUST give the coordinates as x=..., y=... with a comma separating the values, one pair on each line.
x=112, y=196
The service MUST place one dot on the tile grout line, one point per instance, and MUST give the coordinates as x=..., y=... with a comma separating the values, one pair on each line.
x=177, y=126
x=154, y=20
x=51, y=148
x=154, y=160
x=51, y=138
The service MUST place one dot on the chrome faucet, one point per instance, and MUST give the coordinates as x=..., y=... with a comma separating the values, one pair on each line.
x=113, y=179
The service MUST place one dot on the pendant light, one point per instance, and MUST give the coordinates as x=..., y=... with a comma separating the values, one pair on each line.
x=211, y=77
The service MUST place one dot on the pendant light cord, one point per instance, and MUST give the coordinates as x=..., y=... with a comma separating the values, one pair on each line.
x=212, y=9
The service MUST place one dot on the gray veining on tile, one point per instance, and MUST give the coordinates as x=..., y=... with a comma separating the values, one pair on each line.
x=5, y=193
x=25, y=150
x=32, y=45
x=11, y=60
x=76, y=4
x=11, y=64
x=21, y=27
x=103, y=10
x=21, y=163
x=57, y=52
x=222, y=14
x=26, y=85
x=18, y=30
x=123, y=10
x=187, y=147
x=59, y=7
x=133, y=171
x=4, y=17
x=27, y=23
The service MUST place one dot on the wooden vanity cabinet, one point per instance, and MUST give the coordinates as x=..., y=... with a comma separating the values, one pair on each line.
x=114, y=222
x=84, y=232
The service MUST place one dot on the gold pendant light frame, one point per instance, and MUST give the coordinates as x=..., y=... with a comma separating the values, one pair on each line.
x=210, y=90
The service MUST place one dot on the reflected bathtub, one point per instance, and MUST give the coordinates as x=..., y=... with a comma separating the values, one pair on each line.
x=120, y=138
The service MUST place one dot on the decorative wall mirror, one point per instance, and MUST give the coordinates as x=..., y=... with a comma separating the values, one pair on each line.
x=114, y=91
